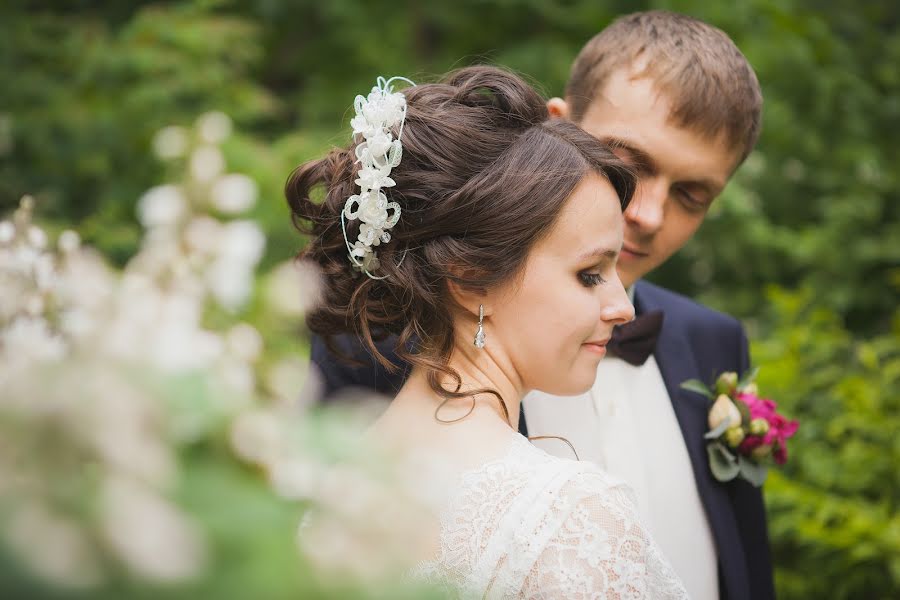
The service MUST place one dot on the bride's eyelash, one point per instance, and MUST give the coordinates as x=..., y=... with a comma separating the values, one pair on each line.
x=590, y=279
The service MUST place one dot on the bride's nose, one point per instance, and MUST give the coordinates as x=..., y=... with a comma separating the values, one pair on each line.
x=618, y=309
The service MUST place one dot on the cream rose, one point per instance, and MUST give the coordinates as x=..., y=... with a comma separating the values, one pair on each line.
x=724, y=408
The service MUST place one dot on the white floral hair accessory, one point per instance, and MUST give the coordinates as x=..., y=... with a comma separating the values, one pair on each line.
x=376, y=115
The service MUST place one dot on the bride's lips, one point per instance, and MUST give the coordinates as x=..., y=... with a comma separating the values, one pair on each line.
x=596, y=346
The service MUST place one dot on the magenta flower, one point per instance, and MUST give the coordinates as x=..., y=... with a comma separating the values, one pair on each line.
x=780, y=429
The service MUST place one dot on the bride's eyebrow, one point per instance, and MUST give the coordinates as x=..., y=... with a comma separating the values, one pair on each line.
x=605, y=253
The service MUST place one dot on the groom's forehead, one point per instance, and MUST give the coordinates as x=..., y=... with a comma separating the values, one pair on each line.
x=713, y=89
x=630, y=93
x=634, y=107
x=624, y=102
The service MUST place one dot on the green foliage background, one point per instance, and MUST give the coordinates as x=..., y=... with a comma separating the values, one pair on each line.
x=804, y=244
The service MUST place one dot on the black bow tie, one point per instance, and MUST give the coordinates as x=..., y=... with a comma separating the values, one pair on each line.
x=635, y=341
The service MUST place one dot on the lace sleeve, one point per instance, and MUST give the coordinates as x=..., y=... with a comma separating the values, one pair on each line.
x=593, y=546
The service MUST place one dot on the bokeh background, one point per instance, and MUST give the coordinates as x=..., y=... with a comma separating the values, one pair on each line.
x=803, y=245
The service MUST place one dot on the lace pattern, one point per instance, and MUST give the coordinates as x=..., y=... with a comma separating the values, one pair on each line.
x=529, y=525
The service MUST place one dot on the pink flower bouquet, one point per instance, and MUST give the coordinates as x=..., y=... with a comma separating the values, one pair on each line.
x=746, y=434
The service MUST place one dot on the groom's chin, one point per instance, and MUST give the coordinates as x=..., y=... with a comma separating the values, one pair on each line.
x=631, y=269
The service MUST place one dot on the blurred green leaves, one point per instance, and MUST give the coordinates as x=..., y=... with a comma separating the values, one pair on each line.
x=88, y=96
x=834, y=508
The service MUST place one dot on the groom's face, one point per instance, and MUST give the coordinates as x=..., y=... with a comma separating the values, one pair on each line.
x=679, y=172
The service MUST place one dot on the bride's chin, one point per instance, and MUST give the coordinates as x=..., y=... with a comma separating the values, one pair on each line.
x=575, y=385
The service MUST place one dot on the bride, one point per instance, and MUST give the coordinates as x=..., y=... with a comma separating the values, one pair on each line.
x=485, y=237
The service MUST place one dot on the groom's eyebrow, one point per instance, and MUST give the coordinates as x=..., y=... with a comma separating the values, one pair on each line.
x=636, y=157
x=644, y=163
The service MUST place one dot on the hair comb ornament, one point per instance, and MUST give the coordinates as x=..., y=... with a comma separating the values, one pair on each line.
x=376, y=115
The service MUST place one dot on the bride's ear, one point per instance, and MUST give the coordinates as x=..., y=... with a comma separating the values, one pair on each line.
x=469, y=301
x=558, y=108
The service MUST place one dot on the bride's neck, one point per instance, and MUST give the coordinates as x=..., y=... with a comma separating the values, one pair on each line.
x=479, y=369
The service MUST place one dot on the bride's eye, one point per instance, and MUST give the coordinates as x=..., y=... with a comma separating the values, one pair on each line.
x=590, y=279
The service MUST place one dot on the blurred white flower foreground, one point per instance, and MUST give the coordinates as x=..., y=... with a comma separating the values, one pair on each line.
x=88, y=437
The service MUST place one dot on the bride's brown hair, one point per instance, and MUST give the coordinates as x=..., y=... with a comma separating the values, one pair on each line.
x=483, y=177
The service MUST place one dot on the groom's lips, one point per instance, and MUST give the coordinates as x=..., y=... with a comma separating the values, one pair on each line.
x=630, y=252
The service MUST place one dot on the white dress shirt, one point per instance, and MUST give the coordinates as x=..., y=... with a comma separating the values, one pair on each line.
x=627, y=425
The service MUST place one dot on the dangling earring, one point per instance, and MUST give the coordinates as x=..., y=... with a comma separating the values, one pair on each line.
x=479, y=335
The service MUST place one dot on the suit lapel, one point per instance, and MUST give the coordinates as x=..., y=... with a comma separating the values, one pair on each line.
x=523, y=427
x=677, y=363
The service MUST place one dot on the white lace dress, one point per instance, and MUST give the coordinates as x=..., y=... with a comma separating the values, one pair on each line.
x=530, y=525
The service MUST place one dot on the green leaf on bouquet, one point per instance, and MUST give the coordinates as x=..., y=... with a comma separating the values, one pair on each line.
x=744, y=410
x=747, y=377
x=722, y=463
x=695, y=385
x=752, y=472
x=718, y=431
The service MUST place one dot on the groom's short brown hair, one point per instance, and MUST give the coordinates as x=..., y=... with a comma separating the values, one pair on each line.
x=712, y=87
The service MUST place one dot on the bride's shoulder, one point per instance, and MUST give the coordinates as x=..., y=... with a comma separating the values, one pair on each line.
x=525, y=477
x=565, y=472
x=514, y=519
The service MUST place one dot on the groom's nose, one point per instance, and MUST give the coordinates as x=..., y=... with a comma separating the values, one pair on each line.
x=647, y=208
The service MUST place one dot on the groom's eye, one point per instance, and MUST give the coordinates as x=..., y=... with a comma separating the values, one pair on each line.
x=590, y=279
x=639, y=161
x=690, y=202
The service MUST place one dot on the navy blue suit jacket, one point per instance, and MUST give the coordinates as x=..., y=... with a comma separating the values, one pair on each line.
x=695, y=342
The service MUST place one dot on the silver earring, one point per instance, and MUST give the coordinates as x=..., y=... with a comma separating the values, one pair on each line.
x=479, y=335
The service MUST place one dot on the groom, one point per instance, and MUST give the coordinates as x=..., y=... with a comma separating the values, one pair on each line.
x=680, y=103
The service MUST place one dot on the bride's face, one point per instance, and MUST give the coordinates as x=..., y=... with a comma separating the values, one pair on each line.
x=553, y=322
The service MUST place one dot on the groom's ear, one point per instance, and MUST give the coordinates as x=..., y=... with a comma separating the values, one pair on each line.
x=558, y=108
